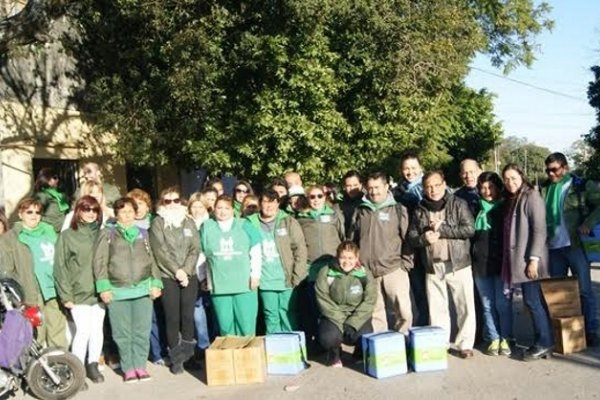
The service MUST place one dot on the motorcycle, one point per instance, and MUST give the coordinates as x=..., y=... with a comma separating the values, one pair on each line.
x=49, y=373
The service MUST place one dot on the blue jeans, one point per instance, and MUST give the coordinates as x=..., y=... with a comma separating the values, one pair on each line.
x=203, y=339
x=497, y=308
x=534, y=301
x=573, y=258
x=158, y=348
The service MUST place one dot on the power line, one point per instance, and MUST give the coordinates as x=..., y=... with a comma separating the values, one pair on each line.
x=554, y=92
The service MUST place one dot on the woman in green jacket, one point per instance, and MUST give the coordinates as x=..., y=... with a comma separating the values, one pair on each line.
x=127, y=279
x=283, y=262
x=346, y=296
x=55, y=205
x=28, y=257
x=74, y=279
x=175, y=243
x=233, y=259
x=323, y=229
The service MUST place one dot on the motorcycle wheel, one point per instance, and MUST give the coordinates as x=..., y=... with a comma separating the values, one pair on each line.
x=67, y=367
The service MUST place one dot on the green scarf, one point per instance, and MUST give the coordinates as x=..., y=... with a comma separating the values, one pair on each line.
x=315, y=214
x=40, y=241
x=481, y=222
x=129, y=234
x=357, y=272
x=553, y=206
x=60, y=198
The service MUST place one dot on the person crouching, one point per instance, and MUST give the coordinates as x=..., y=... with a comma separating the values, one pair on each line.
x=346, y=296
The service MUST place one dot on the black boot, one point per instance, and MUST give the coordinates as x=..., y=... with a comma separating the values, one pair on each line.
x=187, y=349
x=177, y=359
x=93, y=373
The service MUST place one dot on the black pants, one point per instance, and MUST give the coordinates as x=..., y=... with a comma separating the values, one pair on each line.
x=178, y=305
x=419, y=291
x=331, y=338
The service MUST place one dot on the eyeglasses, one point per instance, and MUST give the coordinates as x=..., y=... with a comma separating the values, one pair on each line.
x=90, y=209
x=554, y=170
x=30, y=212
x=316, y=196
x=241, y=190
x=169, y=201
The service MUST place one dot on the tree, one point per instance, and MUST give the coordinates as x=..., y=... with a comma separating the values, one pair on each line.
x=579, y=153
x=529, y=156
x=593, y=137
x=319, y=86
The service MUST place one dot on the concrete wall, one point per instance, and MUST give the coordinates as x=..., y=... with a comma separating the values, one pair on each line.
x=44, y=132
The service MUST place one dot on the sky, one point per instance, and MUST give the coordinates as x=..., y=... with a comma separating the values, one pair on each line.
x=563, y=65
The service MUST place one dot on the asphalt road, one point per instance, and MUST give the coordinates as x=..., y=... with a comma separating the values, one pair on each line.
x=482, y=377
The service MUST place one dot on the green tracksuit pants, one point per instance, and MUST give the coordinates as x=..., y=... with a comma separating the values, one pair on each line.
x=131, y=322
x=236, y=313
x=276, y=306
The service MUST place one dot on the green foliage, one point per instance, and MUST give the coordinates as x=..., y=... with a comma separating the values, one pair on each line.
x=593, y=137
x=527, y=155
x=318, y=86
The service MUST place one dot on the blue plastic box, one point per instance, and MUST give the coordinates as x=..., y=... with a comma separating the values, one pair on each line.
x=428, y=349
x=384, y=354
x=286, y=353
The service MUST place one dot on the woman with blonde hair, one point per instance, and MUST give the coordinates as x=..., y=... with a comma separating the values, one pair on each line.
x=96, y=190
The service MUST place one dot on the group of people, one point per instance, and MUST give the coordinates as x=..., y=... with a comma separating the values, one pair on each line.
x=174, y=274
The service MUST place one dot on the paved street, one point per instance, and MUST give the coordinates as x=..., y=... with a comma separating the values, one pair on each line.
x=483, y=377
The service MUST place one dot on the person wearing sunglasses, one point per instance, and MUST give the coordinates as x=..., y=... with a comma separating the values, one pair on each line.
x=242, y=189
x=94, y=189
x=175, y=243
x=572, y=211
x=74, y=277
x=28, y=257
x=54, y=202
x=323, y=228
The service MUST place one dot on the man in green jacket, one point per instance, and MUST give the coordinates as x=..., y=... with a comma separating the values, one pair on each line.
x=283, y=262
x=380, y=226
x=572, y=209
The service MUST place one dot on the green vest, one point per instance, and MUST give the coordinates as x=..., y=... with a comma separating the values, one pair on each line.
x=272, y=273
x=228, y=256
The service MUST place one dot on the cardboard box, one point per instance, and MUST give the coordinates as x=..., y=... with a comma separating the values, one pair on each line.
x=286, y=353
x=562, y=297
x=428, y=349
x=569, y=334
x=384, y=354
x=236, y=360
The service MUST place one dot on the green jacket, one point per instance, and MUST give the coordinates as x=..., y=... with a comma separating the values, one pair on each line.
x=175, y=248
x=290, y=246
x=589, y=192
x=16, y=261
x=50, y=211
x=73, y=271
x=118, y=263
x=346, y=298
x=380, y=230
x=323, y=233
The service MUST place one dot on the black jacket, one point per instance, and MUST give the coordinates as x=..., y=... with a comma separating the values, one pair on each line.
x=486, y=251
x=457, y=229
